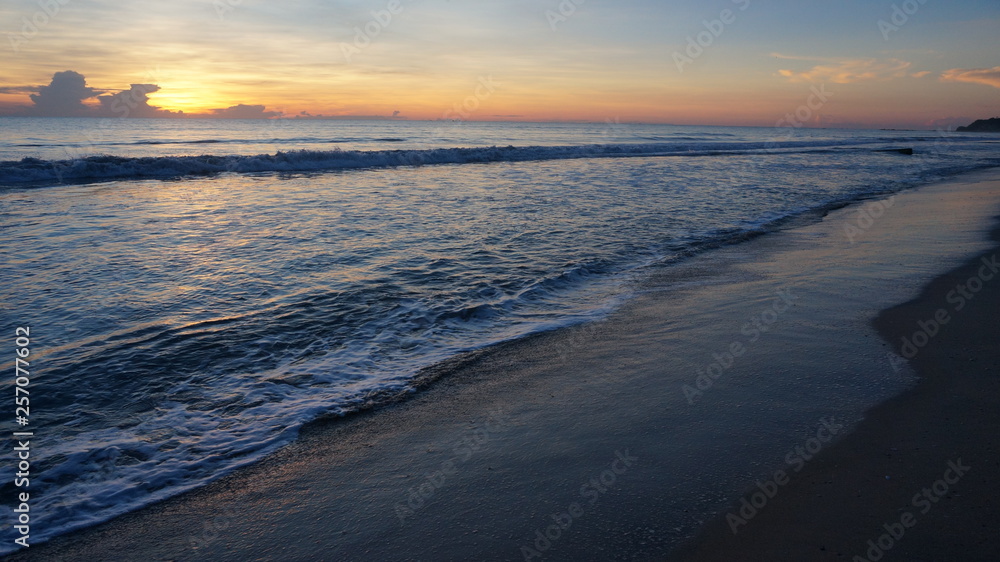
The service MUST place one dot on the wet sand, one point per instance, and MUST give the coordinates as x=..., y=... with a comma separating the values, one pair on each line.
x=584, y=444
x=917, y=480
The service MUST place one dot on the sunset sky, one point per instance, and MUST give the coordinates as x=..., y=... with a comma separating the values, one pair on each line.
x=538, y=60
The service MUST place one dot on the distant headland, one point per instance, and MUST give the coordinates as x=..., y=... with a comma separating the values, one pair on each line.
x=982, y=126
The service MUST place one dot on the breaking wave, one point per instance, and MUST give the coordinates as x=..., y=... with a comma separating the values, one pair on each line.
x=39, y=171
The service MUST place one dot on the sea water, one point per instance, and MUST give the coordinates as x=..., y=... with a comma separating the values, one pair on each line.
x=197, y=290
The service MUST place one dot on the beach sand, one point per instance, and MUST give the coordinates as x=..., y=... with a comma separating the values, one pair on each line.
x=918, y=479
x=588, y=435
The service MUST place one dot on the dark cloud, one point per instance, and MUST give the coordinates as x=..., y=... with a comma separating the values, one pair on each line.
x=133, y=102
x=64, y=96
x=243, y=111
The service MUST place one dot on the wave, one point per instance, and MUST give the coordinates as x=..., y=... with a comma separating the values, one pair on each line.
x=39, y=171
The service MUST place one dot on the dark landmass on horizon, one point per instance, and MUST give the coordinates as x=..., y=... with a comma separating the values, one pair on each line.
x=982, y=126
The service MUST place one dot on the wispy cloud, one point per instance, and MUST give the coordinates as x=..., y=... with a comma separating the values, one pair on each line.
x=243, y=111
x=25, y=90
x=783, y=56
x=850, y=71
x=987, y=76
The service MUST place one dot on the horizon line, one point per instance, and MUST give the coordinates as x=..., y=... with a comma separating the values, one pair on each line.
x=208, y=117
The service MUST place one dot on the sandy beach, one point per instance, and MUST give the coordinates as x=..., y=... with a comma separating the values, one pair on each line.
x=639, y=437
x=917, y=479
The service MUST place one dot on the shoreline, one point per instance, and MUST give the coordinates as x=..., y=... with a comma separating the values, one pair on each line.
x=478, y=396
x=914, y=481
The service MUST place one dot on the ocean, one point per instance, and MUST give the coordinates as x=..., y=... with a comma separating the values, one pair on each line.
x=198, y=290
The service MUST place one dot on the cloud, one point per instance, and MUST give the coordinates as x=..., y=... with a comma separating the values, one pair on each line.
x=809, y=59
x=65, y=94
x=851, y=71
x=987, y=76
x=19, y=89
x=243, y=111
x=133, y=102
x=63, y=97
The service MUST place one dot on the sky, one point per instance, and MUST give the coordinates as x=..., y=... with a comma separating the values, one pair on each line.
x=842, y=63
